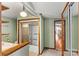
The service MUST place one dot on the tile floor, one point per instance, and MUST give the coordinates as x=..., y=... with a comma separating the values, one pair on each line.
x=51, y=52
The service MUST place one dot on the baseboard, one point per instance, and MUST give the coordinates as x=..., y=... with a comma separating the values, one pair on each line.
x=45, y=48
x=48, y=48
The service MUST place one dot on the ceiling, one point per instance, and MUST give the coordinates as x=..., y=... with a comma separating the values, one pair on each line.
x=13, y=11
x=48, y=9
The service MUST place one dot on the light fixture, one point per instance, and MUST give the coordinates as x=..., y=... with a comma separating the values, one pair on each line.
x=23, y=13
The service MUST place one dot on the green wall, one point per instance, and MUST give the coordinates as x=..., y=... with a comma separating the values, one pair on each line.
x=49, y=32
x=11, y=29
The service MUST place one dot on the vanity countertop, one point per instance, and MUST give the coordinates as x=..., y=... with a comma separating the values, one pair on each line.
x=13, y=49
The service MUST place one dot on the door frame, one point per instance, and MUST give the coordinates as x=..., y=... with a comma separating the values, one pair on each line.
x=64, y=35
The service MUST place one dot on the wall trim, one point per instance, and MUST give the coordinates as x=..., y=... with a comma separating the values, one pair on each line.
x=48, y=48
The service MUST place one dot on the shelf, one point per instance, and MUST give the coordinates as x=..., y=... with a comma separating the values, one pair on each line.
x=5, y=34
x=4, y=7
x=5, y=21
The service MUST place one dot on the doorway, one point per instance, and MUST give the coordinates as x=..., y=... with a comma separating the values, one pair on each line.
x=58, y=34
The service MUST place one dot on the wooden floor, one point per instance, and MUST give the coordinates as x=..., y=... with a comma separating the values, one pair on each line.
x=51, y=52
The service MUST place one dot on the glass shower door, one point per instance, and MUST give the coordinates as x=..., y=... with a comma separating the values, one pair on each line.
x=33, y=47
x=34, y=35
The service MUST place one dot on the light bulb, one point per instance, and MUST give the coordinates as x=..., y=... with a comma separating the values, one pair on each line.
x=23, y=14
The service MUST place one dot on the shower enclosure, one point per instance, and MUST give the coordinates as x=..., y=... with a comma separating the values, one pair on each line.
x=29, y=31
x=71, y=15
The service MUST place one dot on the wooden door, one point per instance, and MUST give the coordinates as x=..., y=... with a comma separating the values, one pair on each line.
x=58, y=34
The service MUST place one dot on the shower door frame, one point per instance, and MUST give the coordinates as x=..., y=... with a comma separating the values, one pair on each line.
x=62, y=18
x=0, y=30
x=78, y=29
x=20, y=21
